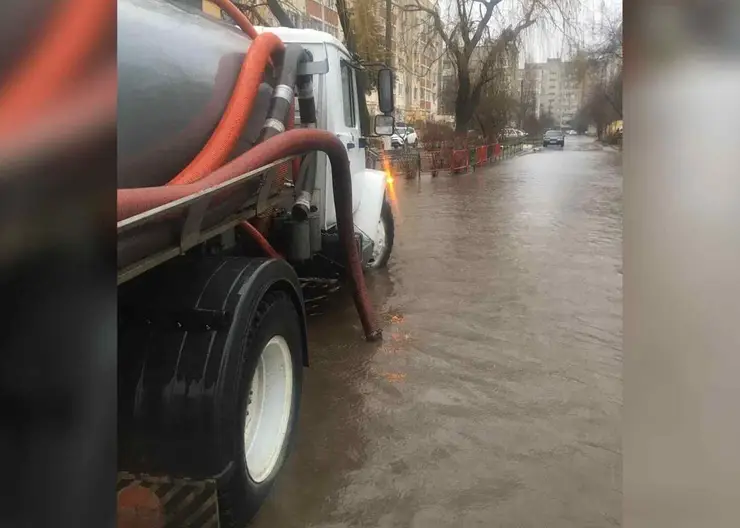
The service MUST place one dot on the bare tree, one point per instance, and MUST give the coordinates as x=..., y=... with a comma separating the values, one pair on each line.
x=600, y=68
x=253, y=9
x=417, y=37
x=475, y=50
x=368, y=32
x=494, y=110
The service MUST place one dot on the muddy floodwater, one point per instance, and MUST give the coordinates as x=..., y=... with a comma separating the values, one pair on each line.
x=495, y=397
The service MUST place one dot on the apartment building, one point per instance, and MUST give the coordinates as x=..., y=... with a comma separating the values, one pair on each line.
x=447, y=85
x=416, y=57
x=504, y=65
x=559, y=91
x=529, y=83
x=316, y=14
x=416, y=50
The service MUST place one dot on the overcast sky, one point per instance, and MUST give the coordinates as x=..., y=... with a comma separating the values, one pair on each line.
x=543, y=43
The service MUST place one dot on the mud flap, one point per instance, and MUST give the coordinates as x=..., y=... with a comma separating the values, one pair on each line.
x=162, y=502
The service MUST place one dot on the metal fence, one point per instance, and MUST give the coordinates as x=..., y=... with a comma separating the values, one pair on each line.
x=405, y=161
x=411, y=162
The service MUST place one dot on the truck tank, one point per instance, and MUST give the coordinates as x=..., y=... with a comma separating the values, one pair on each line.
x=176, y=70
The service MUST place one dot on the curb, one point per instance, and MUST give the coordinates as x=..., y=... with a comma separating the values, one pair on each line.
x=530, y=151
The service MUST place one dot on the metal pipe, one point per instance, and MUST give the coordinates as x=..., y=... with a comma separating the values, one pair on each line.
x=283, y=95
x=307, y=181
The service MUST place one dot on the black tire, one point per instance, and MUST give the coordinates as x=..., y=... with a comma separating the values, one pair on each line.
x=544, y=145
x=386, y=216
x=239, y=496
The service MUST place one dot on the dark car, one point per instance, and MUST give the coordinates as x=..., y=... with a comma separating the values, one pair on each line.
x=553, y=137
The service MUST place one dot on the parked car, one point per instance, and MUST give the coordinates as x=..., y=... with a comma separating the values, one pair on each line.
x=510, y=133
x=404, y=135
x=553, y=137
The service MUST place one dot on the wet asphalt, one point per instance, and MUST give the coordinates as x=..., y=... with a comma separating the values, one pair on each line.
x=495, y=397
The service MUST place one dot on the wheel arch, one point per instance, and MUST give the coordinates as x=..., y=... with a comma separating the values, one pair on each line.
x=372, y=188
x=293, y=289
x=180, y=385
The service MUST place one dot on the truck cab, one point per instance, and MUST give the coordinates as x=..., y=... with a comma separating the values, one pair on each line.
x=337, y=104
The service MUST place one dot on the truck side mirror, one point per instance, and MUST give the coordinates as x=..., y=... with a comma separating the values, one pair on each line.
x=384, y=125
x=386, y=102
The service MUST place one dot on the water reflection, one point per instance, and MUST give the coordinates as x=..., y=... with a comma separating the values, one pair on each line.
x=494, y=399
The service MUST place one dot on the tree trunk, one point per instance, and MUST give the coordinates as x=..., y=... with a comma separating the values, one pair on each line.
x=464, y=106
x=279, y=12
x=483, y=130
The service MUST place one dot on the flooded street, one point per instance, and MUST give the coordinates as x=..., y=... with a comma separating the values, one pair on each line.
x=495, y=397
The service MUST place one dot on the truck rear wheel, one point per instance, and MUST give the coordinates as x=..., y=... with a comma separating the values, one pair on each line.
x=202, y=342
x=269, y=401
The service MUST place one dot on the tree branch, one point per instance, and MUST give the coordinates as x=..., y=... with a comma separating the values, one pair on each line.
x=438, y=24
x=252, y=10
x=483, y=24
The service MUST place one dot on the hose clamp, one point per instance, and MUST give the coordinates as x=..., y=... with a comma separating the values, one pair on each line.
x=283, y=91
x=275, y=124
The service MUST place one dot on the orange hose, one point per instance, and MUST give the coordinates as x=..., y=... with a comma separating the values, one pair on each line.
x=60, y=55
x=78, y=117
x=290, y=143
x=237, y=16
x=229, y=129
x=260, y=239
x=227, y=132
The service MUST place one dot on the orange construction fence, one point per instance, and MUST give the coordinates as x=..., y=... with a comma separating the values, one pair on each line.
x=459, y=160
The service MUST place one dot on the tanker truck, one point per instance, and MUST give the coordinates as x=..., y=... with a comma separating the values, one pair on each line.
x=241, y=180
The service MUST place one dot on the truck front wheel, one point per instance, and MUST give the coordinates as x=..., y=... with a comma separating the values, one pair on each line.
x=269, y=400
x=384, y=243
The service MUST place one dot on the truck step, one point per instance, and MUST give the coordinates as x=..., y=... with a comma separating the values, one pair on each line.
x=146, y=501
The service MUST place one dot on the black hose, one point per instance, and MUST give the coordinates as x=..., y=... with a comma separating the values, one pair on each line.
x=307, y=178
x=282, y=97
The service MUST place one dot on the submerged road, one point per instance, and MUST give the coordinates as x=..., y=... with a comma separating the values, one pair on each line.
x=495, y=398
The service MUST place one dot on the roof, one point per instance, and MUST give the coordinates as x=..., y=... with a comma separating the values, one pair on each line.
x=303, y=36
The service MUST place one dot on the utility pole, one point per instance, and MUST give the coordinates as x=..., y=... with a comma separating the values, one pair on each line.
x=388, y=33
x=522, y=103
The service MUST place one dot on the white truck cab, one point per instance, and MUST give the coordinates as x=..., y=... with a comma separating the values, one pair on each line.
x=337, y=109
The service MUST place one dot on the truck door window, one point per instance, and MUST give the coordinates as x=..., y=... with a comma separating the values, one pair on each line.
x=348, y=95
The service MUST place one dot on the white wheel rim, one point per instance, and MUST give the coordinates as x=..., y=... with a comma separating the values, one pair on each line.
x=268, y=409
x=379, y=247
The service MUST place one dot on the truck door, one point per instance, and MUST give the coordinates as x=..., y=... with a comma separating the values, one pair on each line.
x=341, y=103
x=349, y=133
x=349, y=125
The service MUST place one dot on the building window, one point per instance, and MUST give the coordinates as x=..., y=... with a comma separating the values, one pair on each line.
x=294, y=18
x=348, y=95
